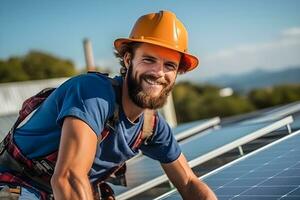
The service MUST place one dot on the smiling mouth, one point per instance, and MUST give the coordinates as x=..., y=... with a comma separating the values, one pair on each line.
x=152, y=82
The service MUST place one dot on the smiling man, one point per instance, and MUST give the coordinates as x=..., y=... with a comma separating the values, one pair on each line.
x=83, y=131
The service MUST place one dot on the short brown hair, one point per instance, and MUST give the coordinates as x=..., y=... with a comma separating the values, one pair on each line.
x=126, y=47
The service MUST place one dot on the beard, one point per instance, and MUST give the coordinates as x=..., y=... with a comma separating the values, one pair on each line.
x=141, y=97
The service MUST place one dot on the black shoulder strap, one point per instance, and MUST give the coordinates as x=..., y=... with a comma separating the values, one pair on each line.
x=118, y=92
x=111, y=121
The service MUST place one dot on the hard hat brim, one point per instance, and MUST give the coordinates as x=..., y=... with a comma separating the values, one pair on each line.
x=189, y=61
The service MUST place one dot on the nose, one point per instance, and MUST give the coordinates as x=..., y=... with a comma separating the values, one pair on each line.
x=159, y=69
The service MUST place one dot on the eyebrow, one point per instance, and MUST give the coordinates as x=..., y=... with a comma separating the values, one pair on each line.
x=148, y=56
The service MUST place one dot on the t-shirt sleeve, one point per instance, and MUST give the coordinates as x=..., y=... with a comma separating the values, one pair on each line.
x=87, y=99
x=163, y=146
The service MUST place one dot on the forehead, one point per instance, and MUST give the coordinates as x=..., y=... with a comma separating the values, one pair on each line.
x=159, y=52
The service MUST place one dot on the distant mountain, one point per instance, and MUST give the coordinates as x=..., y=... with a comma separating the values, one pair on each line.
x=258, y=79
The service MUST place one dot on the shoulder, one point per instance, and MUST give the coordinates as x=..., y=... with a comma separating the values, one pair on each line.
x=89, y=97
x=89, y=86
x=91, y=81
x=87, y=91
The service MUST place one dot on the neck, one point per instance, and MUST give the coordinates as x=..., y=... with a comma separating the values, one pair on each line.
x=131, y=110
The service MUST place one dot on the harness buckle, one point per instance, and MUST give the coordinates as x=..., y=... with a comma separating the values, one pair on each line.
x=42, y=167
x=111, y=127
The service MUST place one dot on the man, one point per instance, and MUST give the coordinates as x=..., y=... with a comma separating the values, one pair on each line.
x=72, y=120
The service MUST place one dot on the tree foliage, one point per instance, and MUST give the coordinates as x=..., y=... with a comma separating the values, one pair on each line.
x=35, y=65
x=194, y=102
x=282, y=94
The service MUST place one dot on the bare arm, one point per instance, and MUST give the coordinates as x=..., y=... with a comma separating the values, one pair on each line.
x=188, y=185
x=76, y=154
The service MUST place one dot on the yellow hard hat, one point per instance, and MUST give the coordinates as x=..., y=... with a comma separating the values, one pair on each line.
x=162, y=29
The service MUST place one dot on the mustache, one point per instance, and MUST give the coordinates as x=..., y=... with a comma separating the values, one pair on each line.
x=159, y=80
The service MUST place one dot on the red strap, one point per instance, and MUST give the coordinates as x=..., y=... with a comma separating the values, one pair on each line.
x=15, y=152
x=103, y=135
x=137, y=143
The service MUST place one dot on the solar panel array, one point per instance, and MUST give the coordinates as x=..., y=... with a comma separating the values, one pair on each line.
x=270, y=173
x=236, y=127
x=144, y=173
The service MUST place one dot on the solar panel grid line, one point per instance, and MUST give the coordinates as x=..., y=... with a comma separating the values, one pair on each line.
x=289, y=193
x=235, y=161
x=163, y=178
x=236, y=143
x=258, y=184
x=203, y=126
x=261, y=184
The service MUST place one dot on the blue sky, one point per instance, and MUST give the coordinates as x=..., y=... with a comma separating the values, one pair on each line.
x=232, y=36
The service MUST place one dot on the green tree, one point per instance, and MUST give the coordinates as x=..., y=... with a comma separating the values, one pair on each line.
x=12, y=70
x=41, y=66
x=35, y=65
x=193, y=102
x=272, y=96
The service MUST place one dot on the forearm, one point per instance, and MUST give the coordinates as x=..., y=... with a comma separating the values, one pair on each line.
x=72, y=187
x=196, y=189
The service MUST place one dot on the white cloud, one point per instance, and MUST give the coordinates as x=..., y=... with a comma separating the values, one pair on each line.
x=282, y=52
x=292, y=32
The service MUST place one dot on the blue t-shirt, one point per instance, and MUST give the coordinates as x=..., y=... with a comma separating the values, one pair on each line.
x=91, y=98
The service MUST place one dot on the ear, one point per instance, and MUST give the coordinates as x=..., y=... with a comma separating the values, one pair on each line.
x=127, y=59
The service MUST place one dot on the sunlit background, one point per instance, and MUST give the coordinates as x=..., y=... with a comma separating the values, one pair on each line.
x=242, y=45
x=230, y=37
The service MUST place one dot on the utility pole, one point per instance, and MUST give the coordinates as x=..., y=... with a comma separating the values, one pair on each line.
x=88, y=52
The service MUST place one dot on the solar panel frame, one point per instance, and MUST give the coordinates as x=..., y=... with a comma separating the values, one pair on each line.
x=197, y=128
x=227, y=166
x=276, y=113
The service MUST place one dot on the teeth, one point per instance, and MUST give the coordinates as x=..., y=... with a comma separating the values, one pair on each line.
x=152, y=82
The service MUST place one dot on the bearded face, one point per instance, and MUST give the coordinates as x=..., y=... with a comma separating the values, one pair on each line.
x=142, y=96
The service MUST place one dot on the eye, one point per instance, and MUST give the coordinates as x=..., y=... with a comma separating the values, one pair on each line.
x=171, y=66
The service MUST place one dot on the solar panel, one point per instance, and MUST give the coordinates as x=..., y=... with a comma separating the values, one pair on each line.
x=6, y=122
x=276, y=113
x=144, y=173
x=272, y=172
x=296, y=124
